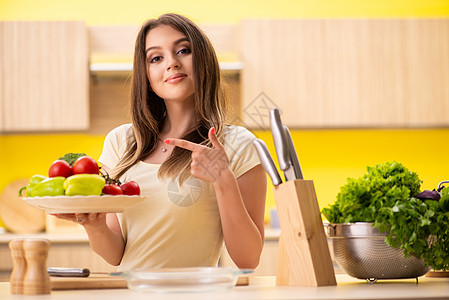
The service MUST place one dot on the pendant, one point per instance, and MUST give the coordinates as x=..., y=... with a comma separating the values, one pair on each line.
x=164, y=149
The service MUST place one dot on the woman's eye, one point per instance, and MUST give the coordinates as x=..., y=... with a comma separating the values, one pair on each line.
x=185, y=51
x=155, y=59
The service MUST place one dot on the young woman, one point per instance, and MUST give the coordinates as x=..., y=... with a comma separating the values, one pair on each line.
x=203, y=178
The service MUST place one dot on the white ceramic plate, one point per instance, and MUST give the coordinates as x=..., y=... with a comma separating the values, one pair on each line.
x=84, y=204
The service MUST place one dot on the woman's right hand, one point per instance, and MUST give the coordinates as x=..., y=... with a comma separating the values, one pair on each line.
x=85, y=219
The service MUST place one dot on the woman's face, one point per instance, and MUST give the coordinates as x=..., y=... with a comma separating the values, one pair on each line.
x=169, y=63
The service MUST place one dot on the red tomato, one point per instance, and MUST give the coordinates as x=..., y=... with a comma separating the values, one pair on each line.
x=130, y=188
x=112, y=189
x=85, y=165
x=60, y=168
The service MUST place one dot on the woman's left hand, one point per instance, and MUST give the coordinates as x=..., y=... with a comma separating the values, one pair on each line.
x=208, y=164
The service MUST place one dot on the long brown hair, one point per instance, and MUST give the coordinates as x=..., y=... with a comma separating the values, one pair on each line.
x=148, y=110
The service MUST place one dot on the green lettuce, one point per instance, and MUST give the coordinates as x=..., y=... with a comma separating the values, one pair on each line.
x=385, y=196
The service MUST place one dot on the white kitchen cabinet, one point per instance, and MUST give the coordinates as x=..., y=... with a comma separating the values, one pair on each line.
x=268, y=258
x=44, y=76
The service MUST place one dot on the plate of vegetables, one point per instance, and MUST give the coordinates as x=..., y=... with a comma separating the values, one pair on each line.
x=75, y=185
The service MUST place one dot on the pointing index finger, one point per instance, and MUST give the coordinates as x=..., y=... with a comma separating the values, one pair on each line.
x=185, y=144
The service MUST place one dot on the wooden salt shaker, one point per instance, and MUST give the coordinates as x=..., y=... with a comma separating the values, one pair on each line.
x=37, y=280
x=19, y=266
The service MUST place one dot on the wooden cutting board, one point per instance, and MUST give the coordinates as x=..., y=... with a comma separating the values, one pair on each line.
x=17, y=216
x=438, y=274
x=98, y=281
x=94, y=281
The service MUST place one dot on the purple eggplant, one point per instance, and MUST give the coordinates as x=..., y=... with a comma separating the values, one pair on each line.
x=426, y=194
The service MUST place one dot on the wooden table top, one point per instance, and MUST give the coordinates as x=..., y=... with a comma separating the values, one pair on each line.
x=263, y=287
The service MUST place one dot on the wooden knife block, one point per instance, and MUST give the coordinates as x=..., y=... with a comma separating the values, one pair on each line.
x=304, y=258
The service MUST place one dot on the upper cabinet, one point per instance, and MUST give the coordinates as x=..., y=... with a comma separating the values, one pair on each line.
x=44, y=76
x=346, y=72
x=320, y=73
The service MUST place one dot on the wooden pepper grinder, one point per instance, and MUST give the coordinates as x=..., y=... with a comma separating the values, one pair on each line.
x=37, y=280
x=19, y=266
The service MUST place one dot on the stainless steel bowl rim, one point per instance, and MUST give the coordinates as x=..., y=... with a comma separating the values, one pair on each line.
x=353, y=230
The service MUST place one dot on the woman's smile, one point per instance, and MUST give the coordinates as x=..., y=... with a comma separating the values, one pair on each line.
x=175, y=78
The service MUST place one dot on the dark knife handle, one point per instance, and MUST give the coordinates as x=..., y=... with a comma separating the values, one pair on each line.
x=68, y=272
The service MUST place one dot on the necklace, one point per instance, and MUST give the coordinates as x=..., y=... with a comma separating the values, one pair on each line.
x=163, y=149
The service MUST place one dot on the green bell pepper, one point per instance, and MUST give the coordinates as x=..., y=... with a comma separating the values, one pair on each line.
x=53, y=186
x=84, y=185
x=31, y=184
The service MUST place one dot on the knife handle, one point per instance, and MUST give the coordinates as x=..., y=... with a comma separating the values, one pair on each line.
x=267, y=161
x=279, y=139
x=293, y=154
x=68, y=272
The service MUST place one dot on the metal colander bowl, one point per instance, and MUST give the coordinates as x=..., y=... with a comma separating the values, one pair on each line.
x=360, y=250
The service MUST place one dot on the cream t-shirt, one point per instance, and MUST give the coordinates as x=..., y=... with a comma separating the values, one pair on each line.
x=176, y=226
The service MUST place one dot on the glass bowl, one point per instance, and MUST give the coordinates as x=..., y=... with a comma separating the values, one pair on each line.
x=182, y=280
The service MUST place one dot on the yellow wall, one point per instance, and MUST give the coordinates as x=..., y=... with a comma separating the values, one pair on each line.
x=327, y=156
x=99, y=12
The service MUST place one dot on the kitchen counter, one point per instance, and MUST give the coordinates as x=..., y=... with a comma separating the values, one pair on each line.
x=72, y=250
x=79, y=237
x=263, y=287
x=54, y=238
